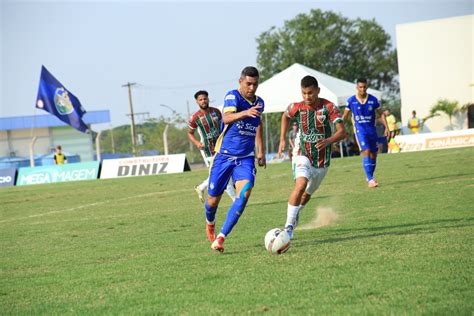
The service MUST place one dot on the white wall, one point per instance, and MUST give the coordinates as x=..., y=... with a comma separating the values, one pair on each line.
x=436, y=61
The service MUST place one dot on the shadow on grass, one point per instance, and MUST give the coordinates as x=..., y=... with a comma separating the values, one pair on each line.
x=423, y=223
x=410, y=229
x=445, y=177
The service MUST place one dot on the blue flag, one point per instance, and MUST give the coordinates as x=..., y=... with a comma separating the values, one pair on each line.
x=54, y=98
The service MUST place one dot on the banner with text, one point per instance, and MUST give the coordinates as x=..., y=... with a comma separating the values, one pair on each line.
x=450, y=139
x=7, y=177
x=59, y=173
x=143, y=166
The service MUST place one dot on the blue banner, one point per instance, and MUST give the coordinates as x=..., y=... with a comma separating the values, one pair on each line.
x=54, y=98
x=7, y=177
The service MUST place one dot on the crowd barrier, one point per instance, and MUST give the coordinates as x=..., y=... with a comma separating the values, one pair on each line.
x=440, y=140
x=109, y=168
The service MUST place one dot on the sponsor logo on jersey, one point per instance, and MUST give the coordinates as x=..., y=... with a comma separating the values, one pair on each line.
x=312, y=137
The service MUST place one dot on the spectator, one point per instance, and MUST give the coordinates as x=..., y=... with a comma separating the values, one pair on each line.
x=381, y=139
x=292, y=139
x=59, y=157
x=392, y=124
x=414, y=123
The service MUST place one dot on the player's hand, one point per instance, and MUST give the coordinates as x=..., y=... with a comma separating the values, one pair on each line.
x=386, y=133
x=262, y=162
x=200, y=146
x=323, y=143
x=281, y=148
x=253, y=111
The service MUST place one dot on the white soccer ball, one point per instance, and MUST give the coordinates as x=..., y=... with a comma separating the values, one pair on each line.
x=277, y=241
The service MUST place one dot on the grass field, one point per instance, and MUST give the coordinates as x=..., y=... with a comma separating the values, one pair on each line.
x=137, y=245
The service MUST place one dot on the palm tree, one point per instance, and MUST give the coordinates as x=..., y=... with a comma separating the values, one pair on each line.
x=450, y=108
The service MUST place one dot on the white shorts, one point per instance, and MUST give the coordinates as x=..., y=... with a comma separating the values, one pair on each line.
x=302, y=168
x=207, y=160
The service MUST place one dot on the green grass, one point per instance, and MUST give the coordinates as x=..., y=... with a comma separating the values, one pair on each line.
x=137, y=245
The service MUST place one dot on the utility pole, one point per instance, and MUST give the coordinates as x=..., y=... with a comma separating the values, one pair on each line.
x=134, y=136
x=189, y=115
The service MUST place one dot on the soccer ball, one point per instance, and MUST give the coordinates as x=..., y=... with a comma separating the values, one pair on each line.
x=277, y=241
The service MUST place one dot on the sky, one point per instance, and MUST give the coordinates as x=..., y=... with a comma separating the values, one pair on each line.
x=170, y=49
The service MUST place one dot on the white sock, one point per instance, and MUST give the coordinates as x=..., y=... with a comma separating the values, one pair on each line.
x=203, y=185
x=291, y=213
x=231, y=191
x=220, y=235
x=298, y=215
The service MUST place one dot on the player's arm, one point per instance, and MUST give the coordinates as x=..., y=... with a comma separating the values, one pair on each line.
x=230, y=115
x=194, y=140
x=260, y=146
x=345, y=115
x=384, y=121
x=285, y=122
x=340, y=134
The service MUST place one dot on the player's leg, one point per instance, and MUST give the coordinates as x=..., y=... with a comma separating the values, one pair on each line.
x=302, y=174
x=219, y=176
x=244, y=176
x=201, y=188
x=372, y=143
x=317, y=177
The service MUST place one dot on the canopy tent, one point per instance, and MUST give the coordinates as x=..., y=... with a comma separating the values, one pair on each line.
x=284, y=88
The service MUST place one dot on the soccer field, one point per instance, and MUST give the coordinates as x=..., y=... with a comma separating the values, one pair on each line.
x=138, y=245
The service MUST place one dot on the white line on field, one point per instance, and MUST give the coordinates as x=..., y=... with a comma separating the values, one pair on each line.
x=92, y=204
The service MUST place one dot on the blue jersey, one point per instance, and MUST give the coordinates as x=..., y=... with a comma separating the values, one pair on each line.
x=363, y=114
x=238, y=138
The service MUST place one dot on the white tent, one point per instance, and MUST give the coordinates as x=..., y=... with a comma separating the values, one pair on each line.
x=284, y=88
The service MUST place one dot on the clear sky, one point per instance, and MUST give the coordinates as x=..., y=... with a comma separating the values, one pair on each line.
x=170, y=49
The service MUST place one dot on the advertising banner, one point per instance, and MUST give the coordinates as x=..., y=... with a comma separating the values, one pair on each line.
x=58, y=173
x=7, y=177
x=428, y=141
x=143, y=166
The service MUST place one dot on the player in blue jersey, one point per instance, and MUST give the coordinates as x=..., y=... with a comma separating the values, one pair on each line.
x=235, y=154
x=364, y=108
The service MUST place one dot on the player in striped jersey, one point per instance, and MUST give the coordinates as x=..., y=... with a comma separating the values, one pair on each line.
x=315, y=116
x=206, y=121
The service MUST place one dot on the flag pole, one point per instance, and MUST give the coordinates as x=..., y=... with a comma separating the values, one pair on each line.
x=33, y=141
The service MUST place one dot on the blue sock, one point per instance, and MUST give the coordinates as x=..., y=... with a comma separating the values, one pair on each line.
x=236, y=209
x=374, y=164
x=369, y=172
x=210, y=212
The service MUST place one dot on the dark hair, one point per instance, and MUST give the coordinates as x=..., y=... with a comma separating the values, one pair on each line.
x=58, y=147
x=197, y=94
x=362, y=80
x=249, y=71
x=309, y=81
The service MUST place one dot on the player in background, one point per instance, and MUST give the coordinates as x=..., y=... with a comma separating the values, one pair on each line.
x=59, y=157
x=314, y=116
x=235, y=154
x=364, y=107
x=207, y=121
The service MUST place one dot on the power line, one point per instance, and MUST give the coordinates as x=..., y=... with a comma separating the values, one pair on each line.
x=151, y=87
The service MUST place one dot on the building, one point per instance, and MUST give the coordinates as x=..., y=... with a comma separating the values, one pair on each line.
x=436, y=61
x=16, y=134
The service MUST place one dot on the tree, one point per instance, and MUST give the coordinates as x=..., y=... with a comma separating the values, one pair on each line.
x=444, y=106
x=326, y=41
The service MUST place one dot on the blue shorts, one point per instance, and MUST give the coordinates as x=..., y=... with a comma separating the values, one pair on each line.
x=223, y=167
x=367, y=141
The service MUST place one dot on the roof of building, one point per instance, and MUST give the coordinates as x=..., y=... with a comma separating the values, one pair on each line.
x=48, y=120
